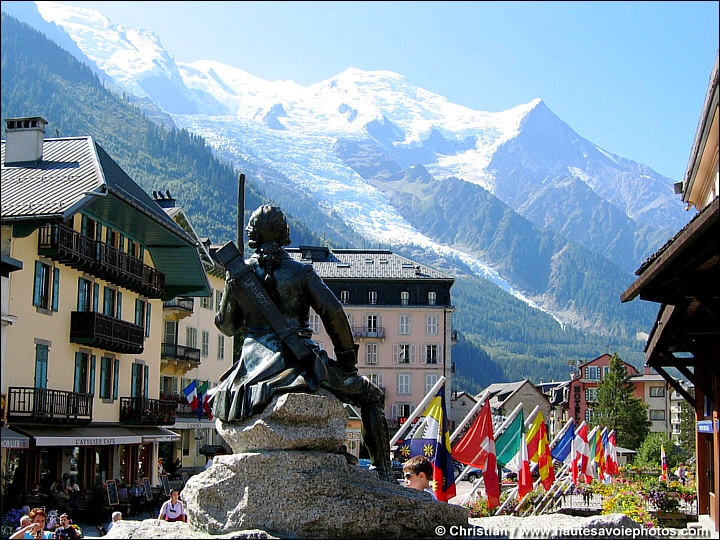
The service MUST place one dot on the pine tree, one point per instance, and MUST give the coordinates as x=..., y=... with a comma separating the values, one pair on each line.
x=618, y=409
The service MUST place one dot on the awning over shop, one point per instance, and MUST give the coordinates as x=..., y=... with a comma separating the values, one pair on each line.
x=13, y=439
x=197, y=424
x=80, y=435
x=156, y=434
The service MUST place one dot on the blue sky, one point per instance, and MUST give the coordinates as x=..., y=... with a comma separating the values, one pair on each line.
x=629, y=76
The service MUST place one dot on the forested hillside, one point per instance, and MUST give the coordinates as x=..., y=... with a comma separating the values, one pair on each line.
x=500, y=337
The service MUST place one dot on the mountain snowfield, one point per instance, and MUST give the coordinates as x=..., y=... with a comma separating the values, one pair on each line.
x=525, y=156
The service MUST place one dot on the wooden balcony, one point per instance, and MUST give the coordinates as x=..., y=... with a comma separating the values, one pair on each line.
x=45, y=405
x=147, y=412
x=178, y=308
x=98, y=330
x=368, y=332
x=64, y=244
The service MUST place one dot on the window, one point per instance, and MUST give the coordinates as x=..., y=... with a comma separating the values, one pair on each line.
x=431, y=353
x=139, y=381
x=404, y=298
x=592, y=373
x=171, y=328
x=205, y=349
x=430, y=380
x=589, y=415
x=404, y=353
x=314, y=321
x=46, y=287
x=371, y=353
x=41, y=365
x=657, y=391
x=345, y=297
x=83, y=379
x=218, y=299
x=403, y=384
x=85, y=290
x=191, y=337
x=206, y=302
x=657, y=415
x=108, y=377
x=591, y=395
x=402, y=411
x=404, y=325
x=372, y=297
x=109, y=301
x=431, y=325
x=432, y=298
x=375, y=378
x=139, y=312
x=221, y=347
x=371, y=321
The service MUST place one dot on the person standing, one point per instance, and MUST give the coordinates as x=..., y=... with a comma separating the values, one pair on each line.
x=172, y=509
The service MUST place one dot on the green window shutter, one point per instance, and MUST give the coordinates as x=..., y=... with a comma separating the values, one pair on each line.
x=77, y=385
x=134, y=380
x=103, y=377
x=116, y=378
x=41, y=360
x=92, y=375
x=139, y=315
x=147, y=320
x=80, y=295
x=37, y=287
x=146, y=381
x=56, y=288
x=118, y=310
x=96, y=296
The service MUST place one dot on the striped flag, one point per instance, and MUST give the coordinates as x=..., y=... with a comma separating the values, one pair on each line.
x=477, y=448
x=190, y=392
x=611, y=462
x=539, y=450
x=582, y=453
x=203, y=405
x=514, y=453
x=600, y=452
x=431, y=438
x=663, y=462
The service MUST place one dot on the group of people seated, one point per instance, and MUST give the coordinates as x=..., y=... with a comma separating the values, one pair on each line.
x=33, y=525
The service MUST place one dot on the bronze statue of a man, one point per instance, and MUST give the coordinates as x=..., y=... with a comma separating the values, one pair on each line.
x=265, y=366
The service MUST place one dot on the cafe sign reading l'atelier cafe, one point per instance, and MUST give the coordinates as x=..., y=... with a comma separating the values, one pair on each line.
x=95, y=435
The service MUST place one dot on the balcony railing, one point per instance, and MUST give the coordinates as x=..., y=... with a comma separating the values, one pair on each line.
x=64, y=244
x=180, y=302
x=147, y=412
x=98, y=330
x=44, y=405
x=174, y=351
x=368, y=332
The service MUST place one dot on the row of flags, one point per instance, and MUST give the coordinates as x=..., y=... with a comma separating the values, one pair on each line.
x=517, y=447
x=197, y=397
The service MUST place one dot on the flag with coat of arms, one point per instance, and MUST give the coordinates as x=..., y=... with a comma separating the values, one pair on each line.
x=431, y=438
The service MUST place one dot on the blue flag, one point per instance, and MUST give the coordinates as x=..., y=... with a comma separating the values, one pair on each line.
x=562, y=449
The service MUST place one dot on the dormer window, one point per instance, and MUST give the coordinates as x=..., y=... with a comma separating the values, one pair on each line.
x=404, y=298
x=432, y=298
x=345, y=297
x=372, y=297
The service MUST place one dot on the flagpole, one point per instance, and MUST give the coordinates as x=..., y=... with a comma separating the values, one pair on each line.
x=418, y=410
x=514, y=490
x=469, y=415
x=535, y=465
x=499, y=432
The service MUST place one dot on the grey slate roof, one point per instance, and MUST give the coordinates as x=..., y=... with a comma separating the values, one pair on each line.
x=76, y=174
x=364, y=264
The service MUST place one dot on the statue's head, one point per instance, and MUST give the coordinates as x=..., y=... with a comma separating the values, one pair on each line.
x=267, y=225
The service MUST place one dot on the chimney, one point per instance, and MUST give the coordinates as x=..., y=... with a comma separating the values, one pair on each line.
x=164, y=200
x=24, y=139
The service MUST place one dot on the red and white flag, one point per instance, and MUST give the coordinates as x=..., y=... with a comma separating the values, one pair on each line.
x=477, y=448
x=582, y=453
x=611, y=463
x=524, y=481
